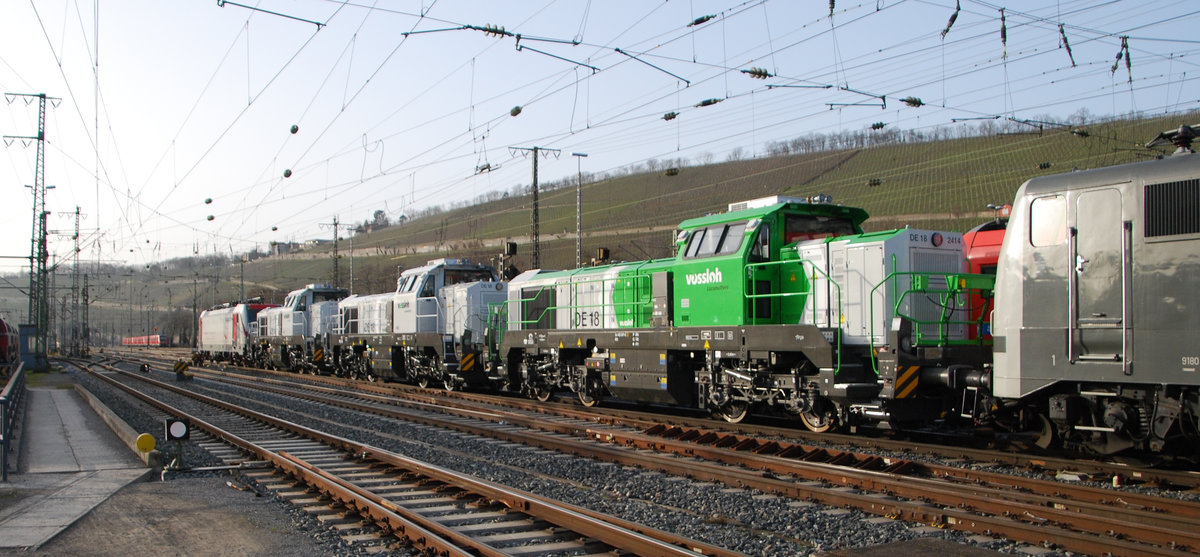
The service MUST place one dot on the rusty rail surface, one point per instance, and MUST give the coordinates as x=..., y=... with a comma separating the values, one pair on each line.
x=426, y=534
x=1166, y=478
x=1033, y=511
x=1163, y=477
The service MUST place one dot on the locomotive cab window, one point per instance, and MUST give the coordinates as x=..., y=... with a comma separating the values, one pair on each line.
x=426, y=287
x=718, y=239
x=762, y=244
x=1048, y=221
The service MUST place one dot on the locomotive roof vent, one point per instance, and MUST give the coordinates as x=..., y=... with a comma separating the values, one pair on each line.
x=777, y=199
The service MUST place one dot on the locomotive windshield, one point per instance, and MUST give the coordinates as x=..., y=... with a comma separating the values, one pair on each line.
x=718, y=239
x=407, y=283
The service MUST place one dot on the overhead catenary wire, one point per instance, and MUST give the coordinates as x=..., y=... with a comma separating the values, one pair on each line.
x=765, y=108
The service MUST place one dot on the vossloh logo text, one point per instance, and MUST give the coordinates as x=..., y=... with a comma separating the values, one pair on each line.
x=707, y=277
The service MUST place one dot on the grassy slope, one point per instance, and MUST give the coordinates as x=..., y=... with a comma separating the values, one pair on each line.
x=944, y=185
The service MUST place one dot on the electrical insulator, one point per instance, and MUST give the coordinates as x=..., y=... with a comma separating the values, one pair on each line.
x=708, y=102
x=287, y=173
x=210, y=217
x=953, y=16
x=913, y=101
x=1081, y=133
x=670, y=116
x=874, y=182
x=701, y=20
x=758, y=73
x=207, y=200
x=878, y=125
x=1043, y=166
x=1063, y=33
x=274, y=228
x=515, y=111
x=494, y=30
x=295, y=128
x=672, y=171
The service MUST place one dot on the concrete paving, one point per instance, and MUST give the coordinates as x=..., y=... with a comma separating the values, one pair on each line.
x=70, y=462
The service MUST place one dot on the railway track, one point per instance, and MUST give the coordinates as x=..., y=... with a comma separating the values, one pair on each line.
x=430, y=508
x=769, y=439
x=1076, y=518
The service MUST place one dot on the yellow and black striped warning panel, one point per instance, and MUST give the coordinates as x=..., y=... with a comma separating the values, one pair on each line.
x=468, y=362
x=180, y=366
x=906, y=381
x=319, y=355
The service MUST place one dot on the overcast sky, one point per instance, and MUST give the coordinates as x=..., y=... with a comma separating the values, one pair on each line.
x=397, y=104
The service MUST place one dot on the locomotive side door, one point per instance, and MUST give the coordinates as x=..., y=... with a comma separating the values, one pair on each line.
x=1101, y=263
x=763, y=278
x=427, y=304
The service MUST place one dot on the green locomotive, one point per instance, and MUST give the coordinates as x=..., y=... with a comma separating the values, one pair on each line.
x=779, y=303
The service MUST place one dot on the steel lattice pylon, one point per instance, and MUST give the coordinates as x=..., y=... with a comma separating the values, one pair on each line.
x=39, y=287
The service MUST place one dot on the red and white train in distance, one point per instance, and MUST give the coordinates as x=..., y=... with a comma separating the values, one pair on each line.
x=982, y=248
x=227, y=330
x=10, y=347
x=148, y=340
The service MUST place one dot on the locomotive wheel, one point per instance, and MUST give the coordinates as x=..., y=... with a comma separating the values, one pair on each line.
x=423, y=381
x=819, y=419
x=1045, y=436
x=449, y=385
x=590, y=394
x=542, y=394
x=734, y=412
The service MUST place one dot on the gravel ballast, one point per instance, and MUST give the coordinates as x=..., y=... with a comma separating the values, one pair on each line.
x=741, y=520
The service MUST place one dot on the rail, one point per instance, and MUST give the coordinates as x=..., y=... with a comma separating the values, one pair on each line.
x=10, y=402
x=426, y=534
x=1077, y=518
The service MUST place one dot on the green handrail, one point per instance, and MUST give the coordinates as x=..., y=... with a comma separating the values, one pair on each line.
x=955, y=297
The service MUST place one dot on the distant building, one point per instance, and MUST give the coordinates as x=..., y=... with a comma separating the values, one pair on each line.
x=309, y=244
x=281, y=248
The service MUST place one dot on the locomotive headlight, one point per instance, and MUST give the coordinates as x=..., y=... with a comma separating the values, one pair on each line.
x=753, y=225
x=683, y=236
